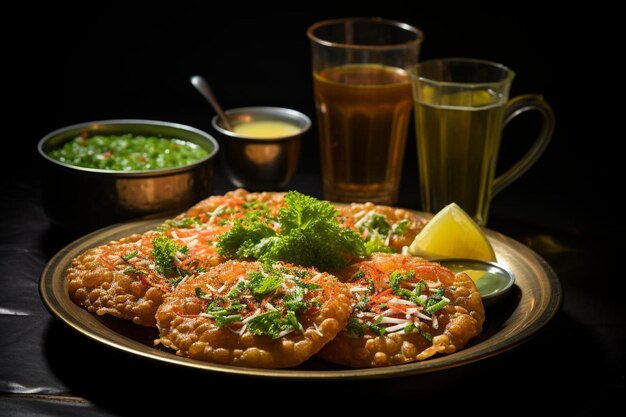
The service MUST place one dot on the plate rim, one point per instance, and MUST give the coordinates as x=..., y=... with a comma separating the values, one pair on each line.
x=56, y=304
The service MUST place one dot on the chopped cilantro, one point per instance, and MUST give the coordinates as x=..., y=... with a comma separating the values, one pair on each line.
x=377, y=245
x=410, y=328
x=401, y=227
x=361, y=305
x=295, y=301
x=377, y=329
x=256, y=205
x=426, y=335
x=175, y=281
x=379, y=223
x=355, y=328
x=131, y=270
x=271, y=324
x=183, y=223
x=260, y=285
x=307, y=285
x=226, y=320
x=236, y=291
x=164, y=251
x=129, y=256
x=291, y=320
x=201, y=294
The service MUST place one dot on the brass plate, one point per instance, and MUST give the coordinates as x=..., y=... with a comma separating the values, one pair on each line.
x=534, y=300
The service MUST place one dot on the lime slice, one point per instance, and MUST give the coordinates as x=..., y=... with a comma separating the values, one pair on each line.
x=451, y=233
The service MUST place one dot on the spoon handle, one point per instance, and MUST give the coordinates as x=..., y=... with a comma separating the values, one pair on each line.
x=203, y=87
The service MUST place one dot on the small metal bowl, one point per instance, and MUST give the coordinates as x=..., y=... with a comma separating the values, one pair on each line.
x=261, y=164
x=85, y=199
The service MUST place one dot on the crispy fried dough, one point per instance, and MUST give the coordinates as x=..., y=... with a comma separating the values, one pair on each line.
x=97, y=281
x=187, y=325
x=356, y=214
x=449, y=328
x=237, y=197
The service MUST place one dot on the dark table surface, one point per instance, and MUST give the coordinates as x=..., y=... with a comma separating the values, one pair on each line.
x=565, y=209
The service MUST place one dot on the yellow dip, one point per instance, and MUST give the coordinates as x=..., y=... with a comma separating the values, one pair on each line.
x=266, y=129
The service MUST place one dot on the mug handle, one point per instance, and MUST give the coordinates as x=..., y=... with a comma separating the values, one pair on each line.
x=514, y=108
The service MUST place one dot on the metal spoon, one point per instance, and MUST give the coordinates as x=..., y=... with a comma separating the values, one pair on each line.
x=203, y=87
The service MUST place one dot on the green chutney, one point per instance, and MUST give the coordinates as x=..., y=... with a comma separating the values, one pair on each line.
x=128, y=153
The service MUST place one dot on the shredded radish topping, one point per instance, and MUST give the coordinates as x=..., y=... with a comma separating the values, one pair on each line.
x=393, y=320
x=185, y=278
x=285, y=332
x=397, y=327
x=317, y=329
x=251, y=316
x=401, y=301
x=435, y=322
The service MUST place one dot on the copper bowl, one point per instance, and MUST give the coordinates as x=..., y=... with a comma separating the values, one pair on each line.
x=85, y=199
x=261, y=164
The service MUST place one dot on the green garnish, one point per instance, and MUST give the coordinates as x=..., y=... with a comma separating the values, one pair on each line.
x=255, y=211
x=271, y=324
x=410, y=328
x=128, y=152
x=240, y=240
x=395, y=282
x=437, y=306
x=260, y=284
x=310, y=235
x=131, y=270
x=374, y=326
x=130, y=256
x=401, y=227
x=164, y=251
x=377, y=245
x=175, y=281
x=361, y=305
x=359, y=275
x=236, y=291
x=419, y=287
x=201, y=294
x=378, y=230
x=436, y=301
x=222, y=321
x=295, y=301
x=378, y=222
x=426, y=335
x=184, y=223
x=355, y=328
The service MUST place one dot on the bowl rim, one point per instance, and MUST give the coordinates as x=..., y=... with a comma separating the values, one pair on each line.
x=294, y=114
x=133, y=173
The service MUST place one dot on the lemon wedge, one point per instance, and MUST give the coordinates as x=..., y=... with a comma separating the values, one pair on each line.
x=451, y=233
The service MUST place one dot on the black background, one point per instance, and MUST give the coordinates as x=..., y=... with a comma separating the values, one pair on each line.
x=71, y=65
x=134, y=61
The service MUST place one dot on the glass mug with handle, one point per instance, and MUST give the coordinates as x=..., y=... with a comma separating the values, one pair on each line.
x=363, y=99
x=461, y=107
